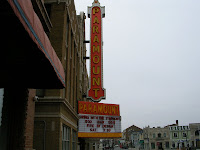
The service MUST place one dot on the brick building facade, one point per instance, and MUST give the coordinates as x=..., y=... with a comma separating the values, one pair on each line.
x=56, y=117
x=28, y=62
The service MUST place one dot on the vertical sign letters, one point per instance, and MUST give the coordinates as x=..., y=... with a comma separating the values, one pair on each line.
x=96, y=91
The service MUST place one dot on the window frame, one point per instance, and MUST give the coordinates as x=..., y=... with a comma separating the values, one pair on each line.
x=66, y=135
x=196, y=133
x=176, y=135
x=159, y=135
x=153, y=145
x=184, y=134
x=74, y=139
x=164, y=135
x=167, y=144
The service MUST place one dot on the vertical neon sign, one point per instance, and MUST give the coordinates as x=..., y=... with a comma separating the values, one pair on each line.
x=96, y=91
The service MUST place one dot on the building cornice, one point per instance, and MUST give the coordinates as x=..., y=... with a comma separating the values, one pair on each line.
x=59, y=100
x=55, y=115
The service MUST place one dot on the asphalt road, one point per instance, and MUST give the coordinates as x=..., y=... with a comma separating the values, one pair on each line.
x=118, y=148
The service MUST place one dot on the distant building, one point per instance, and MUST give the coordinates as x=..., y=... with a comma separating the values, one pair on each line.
x=170, y=137
x=132, y=136
x=194, y=134
x=156, y=138
x=180, y=136
x=148, y=138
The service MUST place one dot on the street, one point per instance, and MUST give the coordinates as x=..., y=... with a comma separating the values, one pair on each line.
x=118, y=148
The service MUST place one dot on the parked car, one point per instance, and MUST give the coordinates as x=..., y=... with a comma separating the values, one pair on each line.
x=125, y=147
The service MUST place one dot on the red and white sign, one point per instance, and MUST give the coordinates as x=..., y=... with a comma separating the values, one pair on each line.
x=99, y=120
x=96, y=91
x=98, y=108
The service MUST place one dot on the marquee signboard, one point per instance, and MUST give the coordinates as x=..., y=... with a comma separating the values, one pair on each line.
x=96, y=91
x=98, y=108
x=99, y=120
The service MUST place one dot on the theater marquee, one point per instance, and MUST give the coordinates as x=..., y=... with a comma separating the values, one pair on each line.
x=99, y=120
x=96, y=91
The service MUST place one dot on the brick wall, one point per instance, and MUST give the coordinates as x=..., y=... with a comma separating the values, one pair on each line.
x=69, y=45
x=57, y=38
x=30, y=121
x=17, y=119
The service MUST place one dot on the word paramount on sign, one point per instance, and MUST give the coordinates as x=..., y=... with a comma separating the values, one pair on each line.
x=96, y=91
x=98, y=108
x=99, y=120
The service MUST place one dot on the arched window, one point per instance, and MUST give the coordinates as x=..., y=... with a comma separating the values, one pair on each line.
x=164, y=135
x=159, y=135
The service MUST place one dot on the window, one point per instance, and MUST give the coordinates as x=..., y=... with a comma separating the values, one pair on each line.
x=175, y=135
x=154, y=135
x=180, y=128
x=184, y=134
x=185, y=128
x=197, y=133
x=164, y=135
x=167, y=144
x=159, y=135
x=65, y=138
x=74, y=140
x=152, y=145
x=173, y=145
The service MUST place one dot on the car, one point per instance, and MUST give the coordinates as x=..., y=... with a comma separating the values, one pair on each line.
x=125, y=147
x=116, y=146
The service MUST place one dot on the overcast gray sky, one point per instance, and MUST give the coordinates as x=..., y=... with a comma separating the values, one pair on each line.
x=151, y=59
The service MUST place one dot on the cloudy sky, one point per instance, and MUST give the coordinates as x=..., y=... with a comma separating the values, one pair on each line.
x=151, y=59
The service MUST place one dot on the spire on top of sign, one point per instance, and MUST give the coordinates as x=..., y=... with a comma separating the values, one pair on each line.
x=96, y=2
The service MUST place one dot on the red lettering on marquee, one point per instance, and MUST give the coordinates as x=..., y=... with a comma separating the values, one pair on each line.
x=99, y=109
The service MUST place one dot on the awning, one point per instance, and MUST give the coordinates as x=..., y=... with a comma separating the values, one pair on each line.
x=36, y=64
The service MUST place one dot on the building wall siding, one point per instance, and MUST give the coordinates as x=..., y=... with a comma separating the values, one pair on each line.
x=59, y=107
